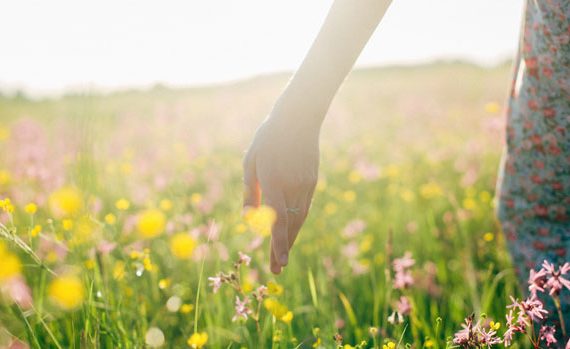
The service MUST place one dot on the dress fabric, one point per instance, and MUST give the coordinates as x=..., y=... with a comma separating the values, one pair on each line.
x=534, y=184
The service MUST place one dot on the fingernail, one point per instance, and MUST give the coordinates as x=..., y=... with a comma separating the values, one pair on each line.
x=284, y=259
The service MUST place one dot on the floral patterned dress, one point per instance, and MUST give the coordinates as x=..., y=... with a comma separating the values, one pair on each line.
x=534, y=193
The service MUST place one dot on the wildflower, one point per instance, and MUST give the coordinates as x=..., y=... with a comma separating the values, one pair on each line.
x=243, y=258
x=173, y=304
x=186, y=308
x=389, y=345
x=164, y=283
x=122, y=204
x=287, y=318
x=260, y=292
x=354, y=228
x=534, y=308
x=431, y=190
x=215, y=283
x=474, y=336
x=404, y=306
x=196, y=198
x=10, y=265
x=275, y=308
x=151, y=223
x=110, y=219
x=395, y=318
x=260, y=220
x=555, y=280
x=317, y=343
x=31, y=208
x=154, y=337
x=241, y=309
x=488, y=237
x=65, y=202
x=403, y=263
x=119, y=271
x=165, y=205
x=198, y=340
x=373, y=331
x=547, y=334
x=67, y=224
x=182, y=245
x=6, y=205
x=36, y=230
x=274, y=288
x=66, y=291
x=536, y=281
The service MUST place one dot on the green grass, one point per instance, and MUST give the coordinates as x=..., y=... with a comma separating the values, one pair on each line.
x=428, y=130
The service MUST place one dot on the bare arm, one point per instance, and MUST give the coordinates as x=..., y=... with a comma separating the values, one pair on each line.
x=283, y=159
x=345, y=32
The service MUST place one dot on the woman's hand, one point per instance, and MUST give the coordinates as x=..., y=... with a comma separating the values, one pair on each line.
x=282, y=164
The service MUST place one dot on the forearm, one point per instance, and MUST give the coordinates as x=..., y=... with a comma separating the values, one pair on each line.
x=345, y=32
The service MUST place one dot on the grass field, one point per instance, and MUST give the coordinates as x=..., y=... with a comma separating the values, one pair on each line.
x=124, y=205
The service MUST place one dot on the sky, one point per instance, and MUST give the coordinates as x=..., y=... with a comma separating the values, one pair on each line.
x=56, y=46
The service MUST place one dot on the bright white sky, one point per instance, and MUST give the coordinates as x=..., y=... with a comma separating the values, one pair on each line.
x=53, y=46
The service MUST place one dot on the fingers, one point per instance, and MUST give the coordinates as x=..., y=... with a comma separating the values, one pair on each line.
x=251, y=193
x=274, y=265
x=296, y=221
x=279, y=234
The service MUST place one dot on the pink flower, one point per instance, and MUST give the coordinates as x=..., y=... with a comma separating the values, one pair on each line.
x=547, y=334
x=555, y=282
x=18, y=291
x=215, y=283
x=536, y=281
x=243, y=258
x=403, y=263
x=404, y=306
x=241, y=309
x=260, y=292
x=403, y=280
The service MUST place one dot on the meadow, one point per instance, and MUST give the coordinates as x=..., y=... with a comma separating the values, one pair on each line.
x=124, y=225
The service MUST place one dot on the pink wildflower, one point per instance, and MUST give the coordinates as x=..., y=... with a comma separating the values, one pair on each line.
x=547, y=334
x=241, y=309
x=403, y=263
x=215, y=283
x=555, y=282
x=404, y=306
x=243, y=258
x=536, y=281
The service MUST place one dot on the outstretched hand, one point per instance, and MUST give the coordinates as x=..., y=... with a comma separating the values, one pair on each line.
x=282, y=166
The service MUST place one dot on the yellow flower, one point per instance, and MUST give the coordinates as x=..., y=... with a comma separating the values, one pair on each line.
x=260, y=220
x=198, y=340
x=164, y=283
x=10, y=265
x=287, y=318
x=492, y=107
x=392, y=171
x=354, y=177
x=488, y=236
x=495, y=325
x=196, y=198
x=389, y=345
x=6, y=205
x=67, y=224
x=317, y=343
x=186, y=308
x=119, y=271
x=90, y=264
x=240, y=228
x=431, y=190
x=122, y=204
x=110, y=219
x=36, y=230
x=151, y=223
x=66, y=291
x=469, y=204
x=4, y=177
x=275, y=308
x=65, y=202
x=429, y=343
x=182, y=245
x=331, y=208
x=407, y=195
x=4, y=133
x=349, y=196
x=31, y=208
x=274, y=288
x=165, y=205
